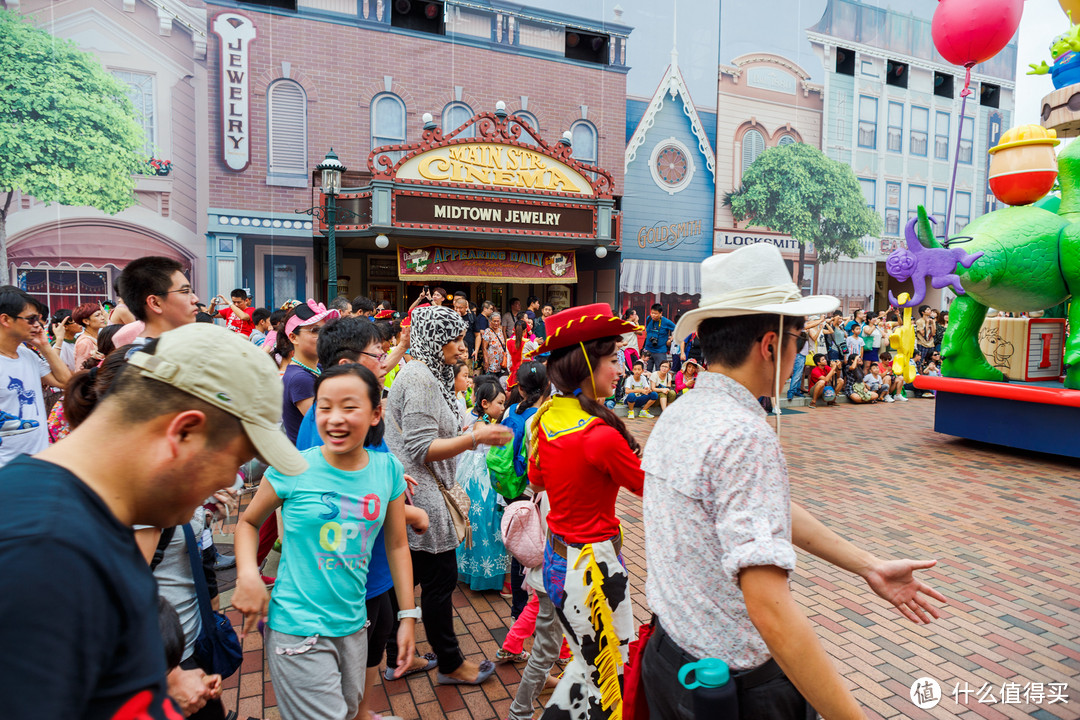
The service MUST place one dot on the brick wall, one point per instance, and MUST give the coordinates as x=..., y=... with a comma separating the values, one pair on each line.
x=342, y=68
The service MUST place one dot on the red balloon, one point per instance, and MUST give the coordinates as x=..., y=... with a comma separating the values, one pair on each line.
x=968, y=32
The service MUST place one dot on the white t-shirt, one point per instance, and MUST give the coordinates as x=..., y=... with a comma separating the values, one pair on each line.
x=20, y=395
x=668, y=383
x=638, y=386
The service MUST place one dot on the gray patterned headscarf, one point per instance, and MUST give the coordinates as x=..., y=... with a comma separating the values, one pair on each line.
x=432, y=328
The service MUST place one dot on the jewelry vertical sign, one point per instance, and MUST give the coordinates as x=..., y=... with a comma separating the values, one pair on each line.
x=236, y=34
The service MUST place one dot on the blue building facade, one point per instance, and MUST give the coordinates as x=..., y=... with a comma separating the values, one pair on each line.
x=667, y=208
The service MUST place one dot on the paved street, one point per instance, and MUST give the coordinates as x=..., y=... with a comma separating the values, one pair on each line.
x=1003, y=526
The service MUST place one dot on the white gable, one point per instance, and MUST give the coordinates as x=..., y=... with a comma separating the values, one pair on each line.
x=674, y=86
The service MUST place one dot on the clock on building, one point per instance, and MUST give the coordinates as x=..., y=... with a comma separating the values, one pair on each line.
x=671, y=165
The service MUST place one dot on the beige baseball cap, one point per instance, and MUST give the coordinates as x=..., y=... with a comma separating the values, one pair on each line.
x=226, y=370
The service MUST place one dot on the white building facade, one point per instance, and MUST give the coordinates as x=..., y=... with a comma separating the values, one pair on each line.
x=892, y=112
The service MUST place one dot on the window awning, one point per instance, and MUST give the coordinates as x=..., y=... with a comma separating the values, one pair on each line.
x=847, y=278
x=660, y=276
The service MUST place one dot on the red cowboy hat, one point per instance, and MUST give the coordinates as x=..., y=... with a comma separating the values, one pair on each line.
x=581, y=324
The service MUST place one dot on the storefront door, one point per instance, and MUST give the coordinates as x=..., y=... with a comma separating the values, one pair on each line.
x=285, y=277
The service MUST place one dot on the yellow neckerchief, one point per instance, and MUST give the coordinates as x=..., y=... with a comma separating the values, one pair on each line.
x=565, y=416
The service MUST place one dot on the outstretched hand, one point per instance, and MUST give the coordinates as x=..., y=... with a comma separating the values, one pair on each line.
x=894, y=580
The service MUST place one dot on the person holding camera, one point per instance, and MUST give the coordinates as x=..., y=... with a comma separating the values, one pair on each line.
x=825, y=374
x=658, y=330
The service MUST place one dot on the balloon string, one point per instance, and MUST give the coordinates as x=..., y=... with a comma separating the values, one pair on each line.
x=959, y=139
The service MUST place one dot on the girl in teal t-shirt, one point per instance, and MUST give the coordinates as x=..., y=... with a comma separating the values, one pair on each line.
x=316, y=643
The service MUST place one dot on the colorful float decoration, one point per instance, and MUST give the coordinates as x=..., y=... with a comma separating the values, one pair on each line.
x=1023, y=165
x=1065, y=51
x=1020, y=259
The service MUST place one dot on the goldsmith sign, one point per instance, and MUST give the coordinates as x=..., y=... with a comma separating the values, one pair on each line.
x=236, y=33
x=492, y=164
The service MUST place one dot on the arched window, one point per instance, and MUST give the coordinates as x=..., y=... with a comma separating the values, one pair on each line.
x=753, y=144
x=454, y=115
x=786, y=139
x=529, y=120
x=584, y=140
x=287, y=132
x=387, y=120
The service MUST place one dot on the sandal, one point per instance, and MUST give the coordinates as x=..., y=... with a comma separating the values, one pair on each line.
x=486, y=669
x=432, y=661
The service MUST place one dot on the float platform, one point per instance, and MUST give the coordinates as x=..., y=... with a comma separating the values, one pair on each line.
x=1041, y=416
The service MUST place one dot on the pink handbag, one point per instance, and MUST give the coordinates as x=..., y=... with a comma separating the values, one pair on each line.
x=522, y=533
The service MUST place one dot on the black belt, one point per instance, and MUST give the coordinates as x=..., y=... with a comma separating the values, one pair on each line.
x=744, y=679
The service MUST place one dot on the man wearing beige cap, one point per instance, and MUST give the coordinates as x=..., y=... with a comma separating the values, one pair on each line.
x=79, y=610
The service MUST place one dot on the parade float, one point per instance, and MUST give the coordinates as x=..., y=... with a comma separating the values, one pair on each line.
x=1012, y=381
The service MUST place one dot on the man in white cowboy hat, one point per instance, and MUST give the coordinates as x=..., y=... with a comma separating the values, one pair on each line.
x=717, y=500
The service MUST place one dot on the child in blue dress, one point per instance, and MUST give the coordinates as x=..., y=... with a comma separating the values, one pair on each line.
x=485, y=564
x=316, y=643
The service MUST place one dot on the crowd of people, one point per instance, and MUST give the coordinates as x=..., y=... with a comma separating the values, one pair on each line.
x=390, y=448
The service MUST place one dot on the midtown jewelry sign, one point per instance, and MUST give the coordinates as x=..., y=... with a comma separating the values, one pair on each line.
x=493, y=215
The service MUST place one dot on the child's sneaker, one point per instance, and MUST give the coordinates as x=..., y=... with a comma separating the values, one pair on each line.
x=630, y=413
x=645, y=414
x=888, y=399
x=901, y=397
x=504, y=656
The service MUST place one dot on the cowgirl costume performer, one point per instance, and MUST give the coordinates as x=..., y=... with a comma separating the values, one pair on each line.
x=582, y=455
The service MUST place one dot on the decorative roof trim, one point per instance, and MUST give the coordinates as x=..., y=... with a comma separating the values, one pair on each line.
x=829, y=42
x=739, y=65
x=672, y=84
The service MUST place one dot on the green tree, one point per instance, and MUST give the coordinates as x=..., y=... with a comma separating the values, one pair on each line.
x=798, y=191
x=68, y=132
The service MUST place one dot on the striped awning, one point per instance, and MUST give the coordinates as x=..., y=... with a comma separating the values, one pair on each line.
x=847, y=278
x=660, y=276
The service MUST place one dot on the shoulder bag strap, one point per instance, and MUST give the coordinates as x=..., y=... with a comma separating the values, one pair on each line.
x=199, y=576
x=163, y=542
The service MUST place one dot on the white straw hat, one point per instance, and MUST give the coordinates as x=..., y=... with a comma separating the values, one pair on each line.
x=750, y=280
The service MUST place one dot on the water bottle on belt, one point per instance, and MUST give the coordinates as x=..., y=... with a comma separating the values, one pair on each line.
x=714, y=693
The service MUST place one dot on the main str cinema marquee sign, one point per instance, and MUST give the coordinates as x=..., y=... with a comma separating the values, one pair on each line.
x=491, y=164
x=236, y=34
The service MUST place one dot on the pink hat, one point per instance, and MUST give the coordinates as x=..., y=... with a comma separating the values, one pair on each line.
x=308, y=314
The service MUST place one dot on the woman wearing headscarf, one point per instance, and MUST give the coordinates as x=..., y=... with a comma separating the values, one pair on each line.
x=582, y=454
x=424, y=433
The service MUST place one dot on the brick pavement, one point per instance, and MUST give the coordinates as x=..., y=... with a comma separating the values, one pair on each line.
x=1003, y=525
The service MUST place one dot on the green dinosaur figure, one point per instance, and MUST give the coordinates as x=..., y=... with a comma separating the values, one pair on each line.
x=1030, y=261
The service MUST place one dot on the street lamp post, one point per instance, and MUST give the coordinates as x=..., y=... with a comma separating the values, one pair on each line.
x=331, y=169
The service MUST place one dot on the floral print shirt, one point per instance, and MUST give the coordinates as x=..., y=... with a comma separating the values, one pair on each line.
x=716, y=500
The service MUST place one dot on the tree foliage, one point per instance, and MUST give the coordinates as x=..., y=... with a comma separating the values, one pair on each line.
x=798, y=191
x=68, y=132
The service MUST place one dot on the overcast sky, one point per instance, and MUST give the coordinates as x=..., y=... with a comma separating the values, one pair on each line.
x=1043, y=20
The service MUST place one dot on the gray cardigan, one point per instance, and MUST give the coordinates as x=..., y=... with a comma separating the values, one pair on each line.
x=417, y=415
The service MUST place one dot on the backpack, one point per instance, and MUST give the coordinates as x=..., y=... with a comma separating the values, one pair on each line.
x=508, y=464
x=522, y=533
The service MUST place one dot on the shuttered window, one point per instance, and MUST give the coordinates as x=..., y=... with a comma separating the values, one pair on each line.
x=287, y=112
x=753, y=144
x=786, y=140
x=583, y=137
